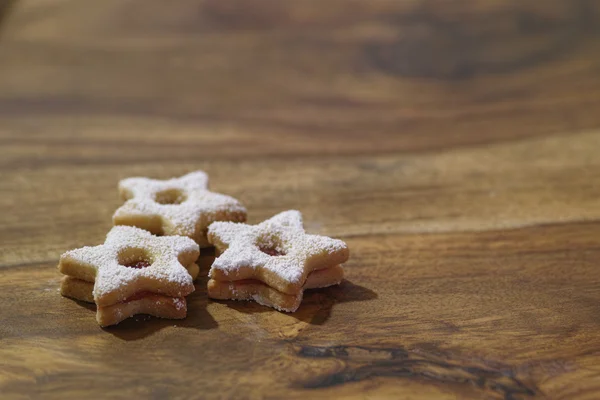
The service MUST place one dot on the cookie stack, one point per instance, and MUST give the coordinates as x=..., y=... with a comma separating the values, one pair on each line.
x=147, y=263
x=272, y=262
x=133, y=272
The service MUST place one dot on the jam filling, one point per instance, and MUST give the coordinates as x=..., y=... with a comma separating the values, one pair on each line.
x=145, y=294
x=271, y=251
x=138, y=296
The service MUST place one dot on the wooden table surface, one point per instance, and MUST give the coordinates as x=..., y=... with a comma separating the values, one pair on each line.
x=454, y=145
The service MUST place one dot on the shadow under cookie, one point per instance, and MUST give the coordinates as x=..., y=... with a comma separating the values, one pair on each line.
x=142, y=326
x=316, y=305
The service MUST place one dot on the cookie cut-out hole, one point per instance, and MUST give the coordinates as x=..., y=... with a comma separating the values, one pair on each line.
x=272, y=251
x=135, y=258
x=170, y=196
x=271, y=245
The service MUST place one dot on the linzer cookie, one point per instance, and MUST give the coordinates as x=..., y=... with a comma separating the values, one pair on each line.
x=180, y=206
x=81, y=290
x=271, y=262
x=250, y=289
x=144, y=303
x=132, y=272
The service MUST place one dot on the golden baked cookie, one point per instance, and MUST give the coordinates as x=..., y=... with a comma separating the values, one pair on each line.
x=81, y=290
x=180, y=206
x=132, y=265
x=277, y=252
x=250, y=289
x=152, y=304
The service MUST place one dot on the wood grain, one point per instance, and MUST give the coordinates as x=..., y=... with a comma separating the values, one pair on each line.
x=453, y=145
x=256, y=78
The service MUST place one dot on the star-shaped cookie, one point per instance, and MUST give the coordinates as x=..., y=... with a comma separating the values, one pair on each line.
x=180, y=206
x=249, y=289
x=277, y=252
x=132, y=262
x=153, y=304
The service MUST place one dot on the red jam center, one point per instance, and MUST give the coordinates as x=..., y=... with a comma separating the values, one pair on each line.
x=271, y=251
x=138, y=264
x=145, y=294
x=137, y=296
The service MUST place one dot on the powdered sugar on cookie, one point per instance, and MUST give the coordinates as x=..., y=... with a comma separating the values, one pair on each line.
x=131, y=261
x=277, y=252
x=179, y=206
